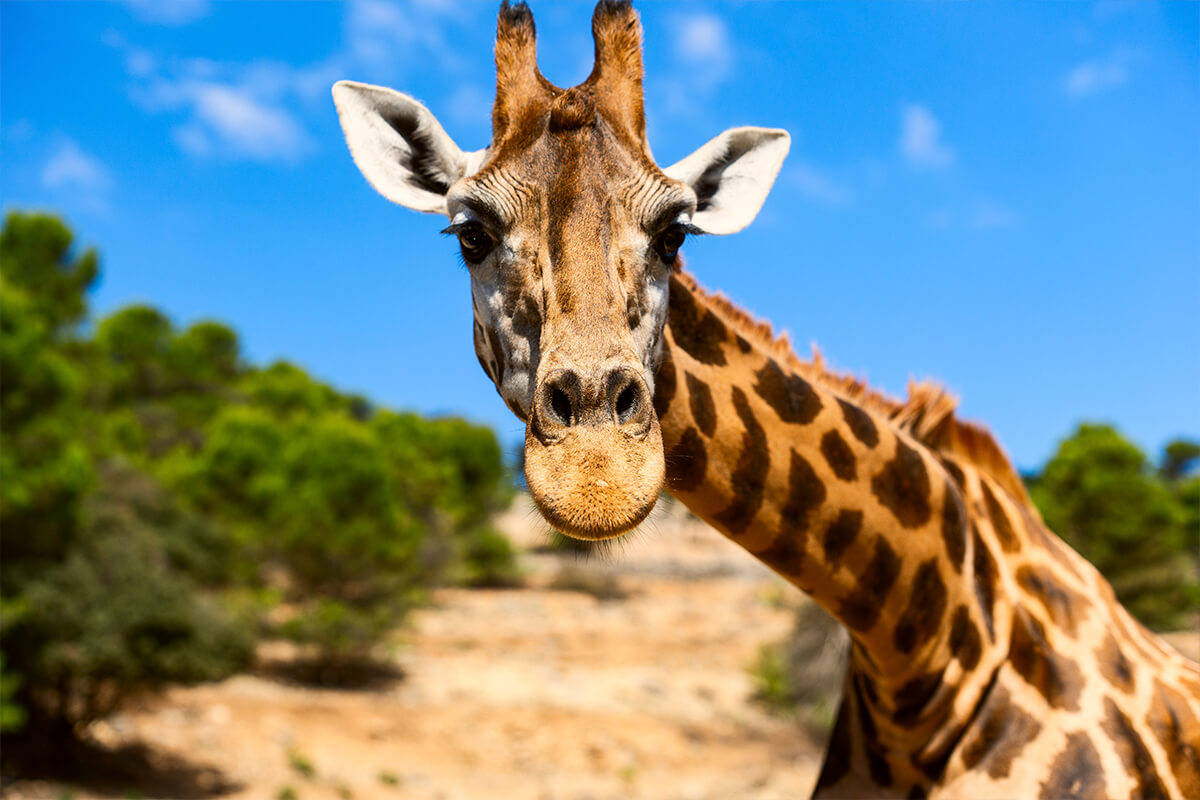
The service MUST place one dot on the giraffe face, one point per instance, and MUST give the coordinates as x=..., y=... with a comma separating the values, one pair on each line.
x=570, y=242
x=570, y=232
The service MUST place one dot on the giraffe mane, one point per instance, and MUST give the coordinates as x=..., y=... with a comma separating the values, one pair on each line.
x=928, y=415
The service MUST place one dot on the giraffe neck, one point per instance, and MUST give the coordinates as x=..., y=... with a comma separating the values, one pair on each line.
x=830, y=495
x=949, y=584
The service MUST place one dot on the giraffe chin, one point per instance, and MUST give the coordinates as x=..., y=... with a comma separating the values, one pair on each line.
x=595, y=483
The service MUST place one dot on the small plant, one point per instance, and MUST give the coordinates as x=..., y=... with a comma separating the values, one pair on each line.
x=772, y=686
x=389, y=778
x=301, y=764
x=801, y=676
x=286, y=793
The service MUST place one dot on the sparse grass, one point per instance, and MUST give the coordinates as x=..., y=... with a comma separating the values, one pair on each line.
x=628, y=773
x=802, y=676
x=301, y=764
x=344, y=791
x=772, y=686
x=602, y=586
x=389, y=778
x=286, y=793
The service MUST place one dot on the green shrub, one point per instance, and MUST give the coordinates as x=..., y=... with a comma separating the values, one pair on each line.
x=1138, y=525
x=488, y=560
x=115, y=616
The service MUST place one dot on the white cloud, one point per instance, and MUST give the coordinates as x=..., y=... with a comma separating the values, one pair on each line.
x=921, y=138
x=168, y=12
x=378, y=33
x=703, y=47
x=77, y=177
x=1099, y=74
x=819, y=187
x=232, y=120
x=255, y=110
x=69, y=167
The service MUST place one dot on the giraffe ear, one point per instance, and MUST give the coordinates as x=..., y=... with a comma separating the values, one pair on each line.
x=399, y=146
x=732, y=175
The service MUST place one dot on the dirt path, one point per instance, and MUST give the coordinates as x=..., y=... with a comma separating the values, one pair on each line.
x=532, y=693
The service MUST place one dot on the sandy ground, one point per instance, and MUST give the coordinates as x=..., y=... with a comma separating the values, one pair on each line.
x=535, y=693
x=530, y=693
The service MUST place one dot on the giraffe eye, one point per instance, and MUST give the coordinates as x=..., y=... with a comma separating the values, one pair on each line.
x=669, y=242
x=475, y=242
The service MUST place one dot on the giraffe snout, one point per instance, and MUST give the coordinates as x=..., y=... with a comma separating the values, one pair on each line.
x=605, y=398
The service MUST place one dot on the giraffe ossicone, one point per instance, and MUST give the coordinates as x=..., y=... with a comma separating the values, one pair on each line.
x=988, y=659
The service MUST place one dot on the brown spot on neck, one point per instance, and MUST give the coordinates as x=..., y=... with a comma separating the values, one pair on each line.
x=700, y=401
x=1000, y=521
x=1065, y=607
x=926, y=606
x=985, y=581
x=748, y=481
x=902, y=487
x=1075, y=772
x=1001, y=734
x=686, y=463
x=838, y=455
x=1133, y=753
x=1178, y=731
x=860, y=610
x=1056, y=677
x=665, y=384
x=790, y=396
x=954, y=527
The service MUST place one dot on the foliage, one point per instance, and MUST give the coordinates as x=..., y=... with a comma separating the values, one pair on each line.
x=803, y=675
x=1138, y=525
x=159, y=498
x=12, y=715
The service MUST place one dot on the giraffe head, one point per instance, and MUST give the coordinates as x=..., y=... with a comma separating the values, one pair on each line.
x=570, y=231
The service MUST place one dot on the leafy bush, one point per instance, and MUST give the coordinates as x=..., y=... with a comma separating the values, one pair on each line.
x=488, y=560
x=116, y=616
x=1138, y=525
x=160, y=499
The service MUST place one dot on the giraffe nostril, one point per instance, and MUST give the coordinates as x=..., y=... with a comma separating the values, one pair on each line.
x=626, y=403
x=560, y=404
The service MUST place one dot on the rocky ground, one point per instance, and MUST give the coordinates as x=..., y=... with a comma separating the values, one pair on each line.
x=624, y=677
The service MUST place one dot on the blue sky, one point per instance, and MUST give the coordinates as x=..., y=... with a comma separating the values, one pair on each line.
x=1001, y=196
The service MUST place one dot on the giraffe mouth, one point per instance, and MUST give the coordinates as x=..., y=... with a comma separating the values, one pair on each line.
x=595, y=483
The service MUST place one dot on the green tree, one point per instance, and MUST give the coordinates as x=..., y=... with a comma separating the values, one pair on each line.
x=101, y=578
x=1179, y=459
x=1102, y=496
x=37, y=259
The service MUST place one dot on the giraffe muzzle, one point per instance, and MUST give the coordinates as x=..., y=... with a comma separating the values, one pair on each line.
x=593, y=451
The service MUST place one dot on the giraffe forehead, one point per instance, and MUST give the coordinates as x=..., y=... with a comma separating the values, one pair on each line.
x=560, y=176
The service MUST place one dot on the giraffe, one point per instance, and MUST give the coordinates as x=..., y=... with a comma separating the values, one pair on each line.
x=988, y=659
